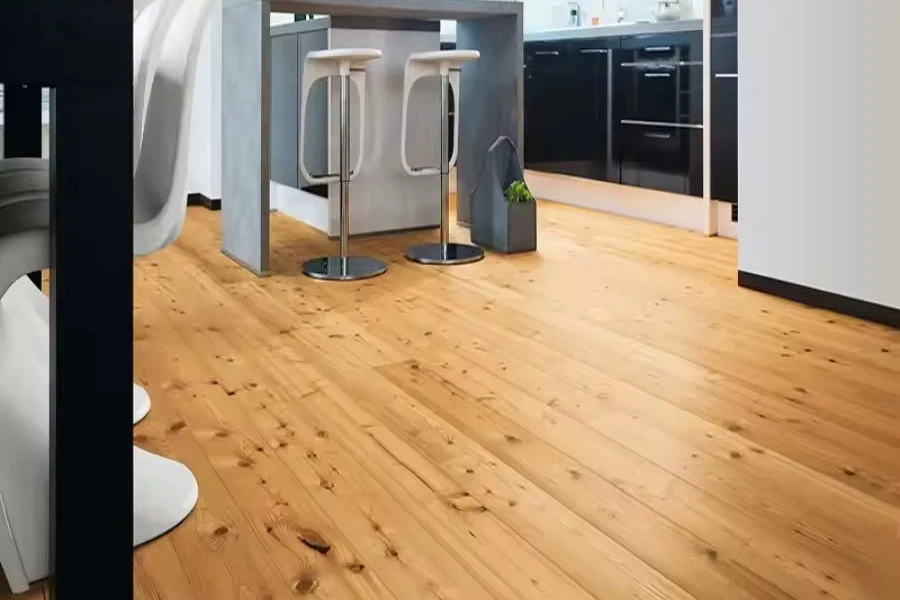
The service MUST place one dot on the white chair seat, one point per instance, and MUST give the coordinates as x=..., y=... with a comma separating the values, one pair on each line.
x=352, y=55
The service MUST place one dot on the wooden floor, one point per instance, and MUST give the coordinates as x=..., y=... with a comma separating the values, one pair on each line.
x=609, y=418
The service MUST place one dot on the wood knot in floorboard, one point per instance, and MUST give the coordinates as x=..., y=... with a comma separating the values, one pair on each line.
x=313, y=540
x=305, y=585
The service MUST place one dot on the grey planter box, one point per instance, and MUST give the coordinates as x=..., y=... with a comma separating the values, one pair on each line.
x=497, y=224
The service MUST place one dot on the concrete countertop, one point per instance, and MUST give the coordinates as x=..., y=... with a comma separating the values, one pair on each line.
x=600, y=31
x=399, y=9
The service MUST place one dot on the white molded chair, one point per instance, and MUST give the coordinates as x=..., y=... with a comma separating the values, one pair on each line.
x=349, y=64
x=150, y=28
x=445, y=64
x=165, y=491
x=152, y=24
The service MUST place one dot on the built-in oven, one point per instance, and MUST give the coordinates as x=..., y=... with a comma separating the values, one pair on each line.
x=660, y=79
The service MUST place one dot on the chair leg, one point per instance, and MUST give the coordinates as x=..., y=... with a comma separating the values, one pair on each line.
x=41, y=305
x=446, y=252
x=344, y=267
x=140, y=402
x=165, y=493
x=10, y=560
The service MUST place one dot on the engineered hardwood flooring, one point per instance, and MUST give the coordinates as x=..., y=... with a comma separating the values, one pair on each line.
x=611, y=417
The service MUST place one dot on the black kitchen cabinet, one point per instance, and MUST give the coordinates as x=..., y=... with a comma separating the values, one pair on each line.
x=659, y=112
x=724, y=98
x=724, y=142
x=567, y=108
x=621, y=109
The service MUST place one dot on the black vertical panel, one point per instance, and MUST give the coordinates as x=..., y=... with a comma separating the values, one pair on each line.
x=82, y=49
x=22, y=132
x=91, y=305
x=91, y=340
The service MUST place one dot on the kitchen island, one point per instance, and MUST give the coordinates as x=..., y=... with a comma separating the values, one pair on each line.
x=491, y=99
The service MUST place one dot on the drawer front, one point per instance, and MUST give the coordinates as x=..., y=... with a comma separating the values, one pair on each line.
x=676, y=47
x=661, y=92
x=660, y=158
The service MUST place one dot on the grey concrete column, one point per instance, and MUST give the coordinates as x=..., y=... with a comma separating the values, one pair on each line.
x=246, y=109
x=491, y=104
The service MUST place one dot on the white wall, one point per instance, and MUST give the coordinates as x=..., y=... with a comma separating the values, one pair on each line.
x=205, y=172
x=549, y=14
x=819, y=128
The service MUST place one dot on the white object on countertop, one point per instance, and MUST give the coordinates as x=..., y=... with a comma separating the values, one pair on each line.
x=667, y=10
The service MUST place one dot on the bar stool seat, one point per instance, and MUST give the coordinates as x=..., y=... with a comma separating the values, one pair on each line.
x=445, y=64
x=349, y=64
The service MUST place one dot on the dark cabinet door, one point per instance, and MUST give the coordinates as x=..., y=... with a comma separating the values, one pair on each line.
x=549, y=84
x=567, y=109
x=589, y=146
x=724, y=142
x=662, y=158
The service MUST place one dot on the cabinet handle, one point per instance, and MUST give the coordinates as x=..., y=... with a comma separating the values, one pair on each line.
x=650, y=64
x=658, y=136
x=658, y=49
x=547, y=53
x=726, y=75
x=661, y=124
x=594, y=51
x=657, y=75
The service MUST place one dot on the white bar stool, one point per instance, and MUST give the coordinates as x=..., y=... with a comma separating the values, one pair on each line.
x=350, y=65
x=447, y=65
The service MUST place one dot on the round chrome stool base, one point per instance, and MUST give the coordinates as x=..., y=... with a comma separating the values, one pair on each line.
x=439, y=254
x=335, y=268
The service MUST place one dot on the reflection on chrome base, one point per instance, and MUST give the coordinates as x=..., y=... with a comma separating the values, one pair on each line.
x=449, y=254
x=335, y=268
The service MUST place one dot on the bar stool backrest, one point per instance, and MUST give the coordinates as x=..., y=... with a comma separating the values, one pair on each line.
x=160, y=182
x=150, y=29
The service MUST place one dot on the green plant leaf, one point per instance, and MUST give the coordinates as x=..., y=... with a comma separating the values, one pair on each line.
x=518, y=192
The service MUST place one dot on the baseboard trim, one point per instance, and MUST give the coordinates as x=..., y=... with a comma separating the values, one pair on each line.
x=201, y=200
x=869, y=311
